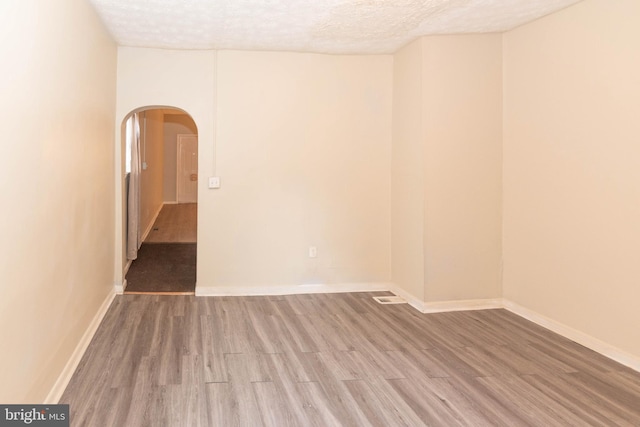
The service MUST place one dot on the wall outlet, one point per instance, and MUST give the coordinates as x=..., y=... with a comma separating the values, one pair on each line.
x=214, y=182
x=313, y=252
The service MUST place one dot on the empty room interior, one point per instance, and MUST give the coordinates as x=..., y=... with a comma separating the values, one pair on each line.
x=479, y=160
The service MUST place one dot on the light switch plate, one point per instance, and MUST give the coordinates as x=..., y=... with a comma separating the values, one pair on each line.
x=214, y=182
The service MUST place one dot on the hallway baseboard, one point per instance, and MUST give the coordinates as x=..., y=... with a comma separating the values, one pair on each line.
x=290, y=290
x=582, y=338
x=612, y=352
x=65, y=376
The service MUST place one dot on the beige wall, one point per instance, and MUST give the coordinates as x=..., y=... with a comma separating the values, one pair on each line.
x=303, y=145
x=407, y=172
x=174, y=124
x=152, y=154
x=164, y=78
x=56, y=251
x=462, y=149
x=571, y=170
x=446, y=168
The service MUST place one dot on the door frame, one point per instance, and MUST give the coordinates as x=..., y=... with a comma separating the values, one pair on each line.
x=180, y=136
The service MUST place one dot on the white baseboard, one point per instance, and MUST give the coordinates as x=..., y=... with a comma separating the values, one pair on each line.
x=119, y=288
x=412, y=300
x=65, y=376
x=290, y=290
x=575, y=335
x=445, y=306
x=170, y=202
x=462, y=305
x=126, y=267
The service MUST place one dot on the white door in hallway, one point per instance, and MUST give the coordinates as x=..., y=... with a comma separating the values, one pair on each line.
x=187, y=180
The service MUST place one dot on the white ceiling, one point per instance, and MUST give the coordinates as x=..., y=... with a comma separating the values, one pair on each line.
x=325, y=26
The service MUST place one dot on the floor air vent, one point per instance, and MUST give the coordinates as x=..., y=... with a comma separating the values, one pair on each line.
x=390, y=300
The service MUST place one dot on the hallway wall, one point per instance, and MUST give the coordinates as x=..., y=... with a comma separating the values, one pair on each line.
x=151, y=178
x=56, y=251
x=462, y=149
x=571, y=170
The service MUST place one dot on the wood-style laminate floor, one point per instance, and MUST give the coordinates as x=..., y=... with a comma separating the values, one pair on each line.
x=337, y=359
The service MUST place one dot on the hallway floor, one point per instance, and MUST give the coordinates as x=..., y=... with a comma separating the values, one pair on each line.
x=163, y=268
x=176, y=223
x=166, y=260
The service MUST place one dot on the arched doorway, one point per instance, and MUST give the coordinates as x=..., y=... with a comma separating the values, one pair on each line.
x=160, y=226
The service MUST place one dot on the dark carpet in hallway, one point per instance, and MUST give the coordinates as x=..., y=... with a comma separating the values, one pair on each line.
x=163, y=267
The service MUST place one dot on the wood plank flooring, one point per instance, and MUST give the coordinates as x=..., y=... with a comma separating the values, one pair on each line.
x=337, y=359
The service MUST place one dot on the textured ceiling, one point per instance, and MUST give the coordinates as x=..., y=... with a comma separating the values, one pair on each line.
x=326, y=26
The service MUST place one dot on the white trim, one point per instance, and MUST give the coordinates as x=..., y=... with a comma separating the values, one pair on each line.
x=120, y=287
x=446, y=306
x=586, y=340
x=412, y=300
x=170, y=203
x=179, y=138
x=290, y=290
x=462, y=305
x=153, y=221
x=65, y=376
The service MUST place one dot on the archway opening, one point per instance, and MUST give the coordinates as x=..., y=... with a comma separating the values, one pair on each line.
x=159, y=199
